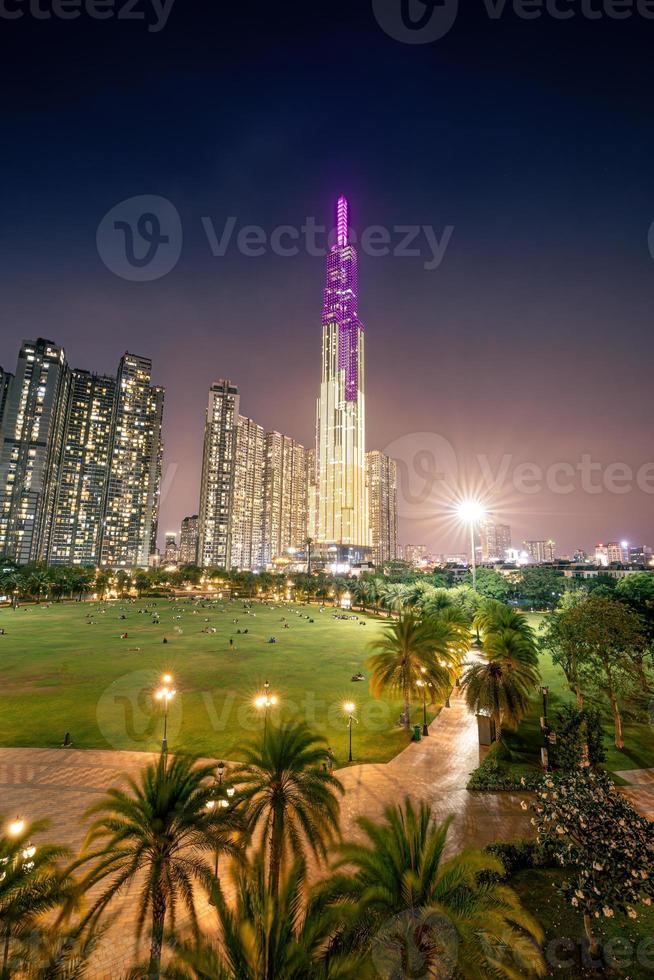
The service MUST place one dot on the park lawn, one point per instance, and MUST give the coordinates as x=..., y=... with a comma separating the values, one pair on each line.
x=525, y=744
x=59, y=674
x=627, y=944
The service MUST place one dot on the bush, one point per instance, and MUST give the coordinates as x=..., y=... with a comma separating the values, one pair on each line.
x=493, y=775
x=576, y=728
x=520, y=855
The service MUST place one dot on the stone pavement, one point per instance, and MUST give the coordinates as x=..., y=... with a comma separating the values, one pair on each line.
x=60, y=784
x=640, y=791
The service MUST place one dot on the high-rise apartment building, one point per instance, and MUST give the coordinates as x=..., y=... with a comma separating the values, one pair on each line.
x=31, y=440
x=188, y=541
x=616, y=553
x=540, y=551
x=246, y=518
x=495, y=540
x=132, y=500
x=381, y=480
x=312, y=490
x=5, y=378
x=342, y=509
x=217, y=485
x=285, y=496
x=82, y=485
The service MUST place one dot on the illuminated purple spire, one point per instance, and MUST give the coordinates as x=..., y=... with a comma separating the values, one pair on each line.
x=340, y=301
x=341, y=222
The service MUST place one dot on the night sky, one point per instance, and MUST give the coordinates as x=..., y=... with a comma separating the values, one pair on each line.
x=533, y=139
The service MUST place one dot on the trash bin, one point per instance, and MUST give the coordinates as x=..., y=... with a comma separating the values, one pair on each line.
x=417, y=733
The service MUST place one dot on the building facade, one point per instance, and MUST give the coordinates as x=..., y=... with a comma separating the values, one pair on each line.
x=286, y=496
x=342, y=508
x=246, y=517
x=82, y=485
x=381, y=481
x=188, y=541
x=217, y=484
x=415, y=554
x=131, y=510
x=171, y=551
x=32, y=437
x=540, y=551
x=495, y=540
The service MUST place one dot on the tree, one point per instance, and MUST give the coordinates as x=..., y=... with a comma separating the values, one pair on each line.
x=157, y=835
x=492, y=585
x=435, y=914
x=413, y=649
x=637, y=591
x=285, y=936
x=579, y=738
x=493, y=616
x=600, y=644
x=540, y=588
x=290, y=799
x=590, y=829
x=32, y=884
x=502, y=683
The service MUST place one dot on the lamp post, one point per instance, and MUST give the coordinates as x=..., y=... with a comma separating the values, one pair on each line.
x=349, y=708
x=220, y=799
x=470, y=512
x=15, y=829
x=423, y=686
x=166, y=693
x=266, y=701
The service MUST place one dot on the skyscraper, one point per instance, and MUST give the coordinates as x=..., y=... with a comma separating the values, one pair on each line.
x=171, y=551
x=381, y=480
x=495, y=540
x=82, y=485
x=132, y=499
x=342, y=510
x=30, y=451
x=540, y=551
x=5, y=378
x=246, y=518
x=188, y=541
x=285, y=496
x=217, y=486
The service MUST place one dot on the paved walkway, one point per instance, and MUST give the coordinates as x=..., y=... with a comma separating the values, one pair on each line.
x=640, y=791
x=60, y=784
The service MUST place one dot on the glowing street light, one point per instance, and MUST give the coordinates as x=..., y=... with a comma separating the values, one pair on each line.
x=349, y=708
x=264, y=702
x=166, y=693
x=423, y=685
x=16, y=827
x=471, y=511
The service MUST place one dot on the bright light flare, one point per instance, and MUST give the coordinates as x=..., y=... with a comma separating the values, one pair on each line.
x=16, y=827
x=349, y=707
x=471, y=510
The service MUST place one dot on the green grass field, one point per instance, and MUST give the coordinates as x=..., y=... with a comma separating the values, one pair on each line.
x=58, y=673
x=526, y=742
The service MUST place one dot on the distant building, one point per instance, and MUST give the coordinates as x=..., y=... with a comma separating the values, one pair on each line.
x=217, y=485
x=415, y=554
x=286, y=497
x=495, y=541
x=31, y=442
x=83, y=480
x=188, y=541
x=540, y=551
x=312, y=489
x=640, y=555
x=601, y=555
x=381, y=481
x=132, y=502
x=5, y=378
x=246, y=518
x=171, y=551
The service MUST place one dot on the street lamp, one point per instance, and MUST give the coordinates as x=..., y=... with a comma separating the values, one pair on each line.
x=349, y=708
x=166, y=693
x=266, y=701
x=15, y=829
x=423, y=686
x=220, y=799
x=471, y=512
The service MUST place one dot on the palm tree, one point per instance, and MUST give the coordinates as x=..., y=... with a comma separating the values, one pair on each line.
x=32, y=884
x=453, y=914
x=264, y=936
x=288, y=795
x=503, y=682
x=158, y=834
x=412, y=649
x=493, y=616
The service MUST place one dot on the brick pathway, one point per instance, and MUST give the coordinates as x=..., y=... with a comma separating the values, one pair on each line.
x=60, y=784
x=640, y=791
